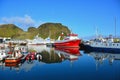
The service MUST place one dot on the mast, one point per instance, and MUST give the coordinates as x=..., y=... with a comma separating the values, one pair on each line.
x=115, y=27
x=96, y=33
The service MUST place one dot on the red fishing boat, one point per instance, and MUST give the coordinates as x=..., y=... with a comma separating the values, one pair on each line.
x=70, y=40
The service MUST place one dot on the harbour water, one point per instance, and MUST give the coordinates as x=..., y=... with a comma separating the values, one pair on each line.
x=61, y=64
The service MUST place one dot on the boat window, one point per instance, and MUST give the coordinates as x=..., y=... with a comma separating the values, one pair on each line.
x=113, y=44
x=117, y=45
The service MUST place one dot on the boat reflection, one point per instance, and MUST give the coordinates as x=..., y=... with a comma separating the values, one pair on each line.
x=12, y=66
x=2, y=65
x=101, y=57
x=15, y=65
x=55, y=55
x=72, y=51
x=69, y=53
x=44, y=54
x=39, y=48
x=50, y=57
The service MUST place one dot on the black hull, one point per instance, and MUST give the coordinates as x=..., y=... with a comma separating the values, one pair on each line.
x=88, y=48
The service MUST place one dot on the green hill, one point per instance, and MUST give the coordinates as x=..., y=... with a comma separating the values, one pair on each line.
x=10, y=30
x=52, y=30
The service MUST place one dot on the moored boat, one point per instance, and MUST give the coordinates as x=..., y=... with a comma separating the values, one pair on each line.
x=13, y=59
x=100, y=44
x=14, y=56
x=39, y=41
x=70, y=40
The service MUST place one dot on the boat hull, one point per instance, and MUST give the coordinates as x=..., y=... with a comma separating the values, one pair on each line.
x=68, y=43
x=101, y=49
x=12, y=64
x=36, y=44
x=13, y=60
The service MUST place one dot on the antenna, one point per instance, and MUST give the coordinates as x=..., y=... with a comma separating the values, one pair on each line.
x=96, y=33
x=115, y=27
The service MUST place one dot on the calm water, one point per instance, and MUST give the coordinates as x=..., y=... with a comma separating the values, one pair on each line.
x=61, y=64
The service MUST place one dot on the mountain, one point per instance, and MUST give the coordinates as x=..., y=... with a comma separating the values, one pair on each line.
x=52, y=30
x=10, y=30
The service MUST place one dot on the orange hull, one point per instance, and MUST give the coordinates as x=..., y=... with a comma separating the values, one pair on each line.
x=13, y=60
x=12, y=64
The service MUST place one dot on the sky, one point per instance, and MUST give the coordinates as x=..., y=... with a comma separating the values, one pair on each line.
x=82, y=17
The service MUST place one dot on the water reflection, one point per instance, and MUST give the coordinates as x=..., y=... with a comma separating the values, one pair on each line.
x=11, y=66
x=43, y=54
x=39, y=48
x=69, y=53
x=56, y=62
x=101, y=57
x=55, y=55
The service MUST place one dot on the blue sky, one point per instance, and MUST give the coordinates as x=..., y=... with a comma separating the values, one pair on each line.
x=81, y=16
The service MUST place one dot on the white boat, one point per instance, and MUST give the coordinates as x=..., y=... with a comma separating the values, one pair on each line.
x=39, y=41
x=101, y=44
x=3, y=54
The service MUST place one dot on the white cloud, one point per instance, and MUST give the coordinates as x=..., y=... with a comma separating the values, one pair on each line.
x=23, y=22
